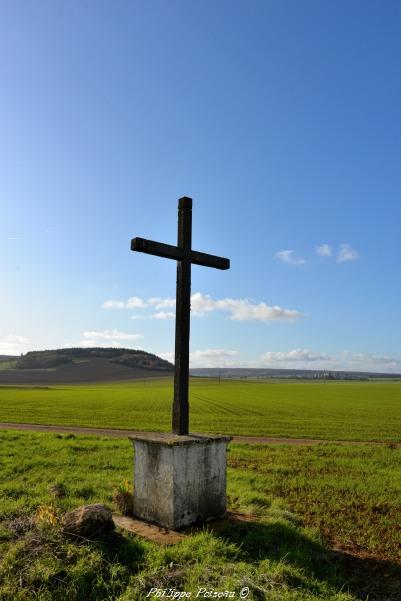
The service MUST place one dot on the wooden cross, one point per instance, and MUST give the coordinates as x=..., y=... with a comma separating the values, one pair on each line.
x=185, y=256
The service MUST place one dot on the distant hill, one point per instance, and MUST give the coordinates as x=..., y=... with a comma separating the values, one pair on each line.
x=238, y=373
x=82, y=365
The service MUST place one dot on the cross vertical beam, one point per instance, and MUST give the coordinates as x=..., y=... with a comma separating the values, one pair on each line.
x=180, y=422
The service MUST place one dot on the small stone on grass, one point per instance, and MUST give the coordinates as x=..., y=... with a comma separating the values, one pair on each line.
x=88, y=521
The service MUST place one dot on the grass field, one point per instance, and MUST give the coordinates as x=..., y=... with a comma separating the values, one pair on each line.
x=304, y=500
x=365, y=411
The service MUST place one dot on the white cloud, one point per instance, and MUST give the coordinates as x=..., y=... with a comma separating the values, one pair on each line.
x=13, y=344
x=368, y=361
x=242, y=309
x=290, y=356
x=17, y=339
x=344, y=361
x=135, y=303
x=216, y=357
x=105, y=338
x=132, y=303
x=162, y=303
x=237, y=308
x=110, y=335
x=347, y=253
x=163, y=315
x=324, y=250
x=289, y=257
x=113, y=304
x=202, y=303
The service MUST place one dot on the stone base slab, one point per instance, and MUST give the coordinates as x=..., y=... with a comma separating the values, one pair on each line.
x=179, y=480
x=165, y=536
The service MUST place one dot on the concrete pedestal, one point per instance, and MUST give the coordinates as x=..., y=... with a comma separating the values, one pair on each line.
x=179, y=480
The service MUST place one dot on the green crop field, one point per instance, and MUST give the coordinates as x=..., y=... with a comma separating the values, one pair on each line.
x=304, y=501
x=365, y=411
x=325, y=520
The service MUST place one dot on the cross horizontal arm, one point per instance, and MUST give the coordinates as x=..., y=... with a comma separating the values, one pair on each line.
x=209, y=260
x=168, y=251
x=157, y=248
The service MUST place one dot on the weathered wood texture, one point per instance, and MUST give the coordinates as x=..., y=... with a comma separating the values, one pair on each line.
x=168, y=251
x=182, y=320
x=185, y=256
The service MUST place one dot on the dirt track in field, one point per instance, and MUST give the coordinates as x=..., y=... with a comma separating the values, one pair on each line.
x=125, y=433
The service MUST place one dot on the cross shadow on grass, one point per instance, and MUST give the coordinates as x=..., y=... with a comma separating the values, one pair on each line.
x=127, y=551
x=365, y=578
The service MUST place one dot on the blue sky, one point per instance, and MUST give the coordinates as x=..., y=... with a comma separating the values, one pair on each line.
x=280, y=119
